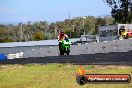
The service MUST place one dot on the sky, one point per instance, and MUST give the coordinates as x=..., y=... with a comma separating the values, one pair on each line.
x=50, y=10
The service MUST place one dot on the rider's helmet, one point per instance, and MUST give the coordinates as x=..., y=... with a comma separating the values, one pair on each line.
x=62, y=33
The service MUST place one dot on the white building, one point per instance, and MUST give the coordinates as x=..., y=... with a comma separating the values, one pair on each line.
x=112, y=32
x=88, y=38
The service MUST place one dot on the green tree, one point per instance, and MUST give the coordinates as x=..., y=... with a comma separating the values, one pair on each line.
x=101, y=21
x=70, y=33
x=121, y=10
x=89, y=24
x=38, y=36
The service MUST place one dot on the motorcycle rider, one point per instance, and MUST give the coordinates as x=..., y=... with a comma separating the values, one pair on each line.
x=61, y=37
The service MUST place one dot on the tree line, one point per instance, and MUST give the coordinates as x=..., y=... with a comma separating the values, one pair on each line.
x=42, y=30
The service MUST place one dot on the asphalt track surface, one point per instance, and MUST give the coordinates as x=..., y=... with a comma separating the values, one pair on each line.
x=113, y=58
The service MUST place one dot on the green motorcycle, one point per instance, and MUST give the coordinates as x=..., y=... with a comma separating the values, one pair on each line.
x=65, y=47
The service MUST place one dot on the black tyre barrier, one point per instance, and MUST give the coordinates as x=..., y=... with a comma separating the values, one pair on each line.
x=81, y=80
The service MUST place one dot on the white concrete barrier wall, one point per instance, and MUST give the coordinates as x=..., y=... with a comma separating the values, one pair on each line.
x=91, y=48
